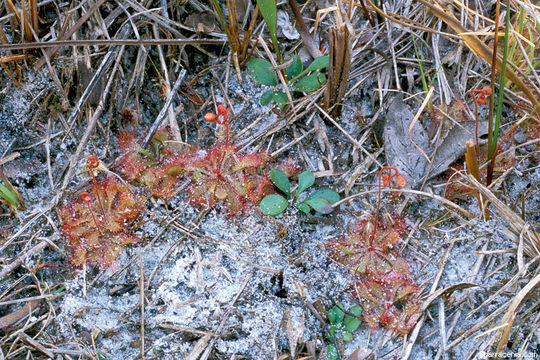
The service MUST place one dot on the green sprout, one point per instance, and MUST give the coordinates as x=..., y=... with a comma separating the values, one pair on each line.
x=300, y=79
x=342, y=326
x=8, y=194
x=320, y=200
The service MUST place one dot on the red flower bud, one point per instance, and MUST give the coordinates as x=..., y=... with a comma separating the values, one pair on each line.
x=210, y=117
x=92, y=162
x=85, y=197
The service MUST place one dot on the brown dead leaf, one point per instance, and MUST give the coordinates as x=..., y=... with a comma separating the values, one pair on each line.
x=202, y=22
x=360, y=354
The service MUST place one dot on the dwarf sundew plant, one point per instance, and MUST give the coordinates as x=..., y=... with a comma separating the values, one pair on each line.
x=158, y=169
x=97, y=231
x=383, y=283
x=224, y=175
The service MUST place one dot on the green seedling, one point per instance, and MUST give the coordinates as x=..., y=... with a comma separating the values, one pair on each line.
x=341, y=326
x=9, y=197
x=8, y=194
x=269, y=12
x=298, y=79
x=321, y=200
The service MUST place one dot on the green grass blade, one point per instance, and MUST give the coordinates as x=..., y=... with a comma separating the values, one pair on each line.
x=9, y=196
x=269, y=12
x=492, y=138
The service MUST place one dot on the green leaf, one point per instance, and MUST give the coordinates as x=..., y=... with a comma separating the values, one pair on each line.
x=269, y=12
x=280, y=97
x=266, y=97
x=328, y=194
x=259, y=69
x=273, y=204
x=310, y=83
x=320, y=205
x=295, y=68
x=352, y=323
x=280, y=179
x=9, y=195
x=356, y=310
x=331, y=352
x=303, y=208
x=305, y=180
x=318, y=63
x=347, y=336
x=335, y=314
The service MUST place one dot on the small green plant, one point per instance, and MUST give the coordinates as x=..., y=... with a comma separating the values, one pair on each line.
x=321, y=200
x=9, y=195
x=341, y=326
x=300, y=79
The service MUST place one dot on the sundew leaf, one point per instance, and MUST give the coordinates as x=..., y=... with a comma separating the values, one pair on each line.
x=259, y=69
x=280, y=179
x=305, y=180
x=273, y=204
x=295, y=68
x=310, y=83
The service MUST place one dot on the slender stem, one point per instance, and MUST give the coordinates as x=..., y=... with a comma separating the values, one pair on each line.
x=97, y=192
x=492, y=154
x=493, y=69
x=396, y=172
x=472, y=92
x=227, y=132
x=94, y=217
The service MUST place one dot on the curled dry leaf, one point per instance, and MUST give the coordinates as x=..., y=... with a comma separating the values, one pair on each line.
x=406, y=154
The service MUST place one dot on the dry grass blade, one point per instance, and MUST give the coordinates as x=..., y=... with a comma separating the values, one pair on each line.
x=338, y=69
x=471, y=159
x=71, y=31
x=476, y=45
x=510, y=315
x=516, y=223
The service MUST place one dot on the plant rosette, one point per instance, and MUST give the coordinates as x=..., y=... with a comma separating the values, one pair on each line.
x=321, y=200
x=226, y=176
x=299, y=79
x=159, y=168
x=96, y=224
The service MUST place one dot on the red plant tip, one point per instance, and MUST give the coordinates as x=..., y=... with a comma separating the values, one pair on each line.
x=223, y=114
x=480, y=95
x=92, y=162
x=85, y=197
x=386, y=180
x=401, y=181
x=210, y=117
